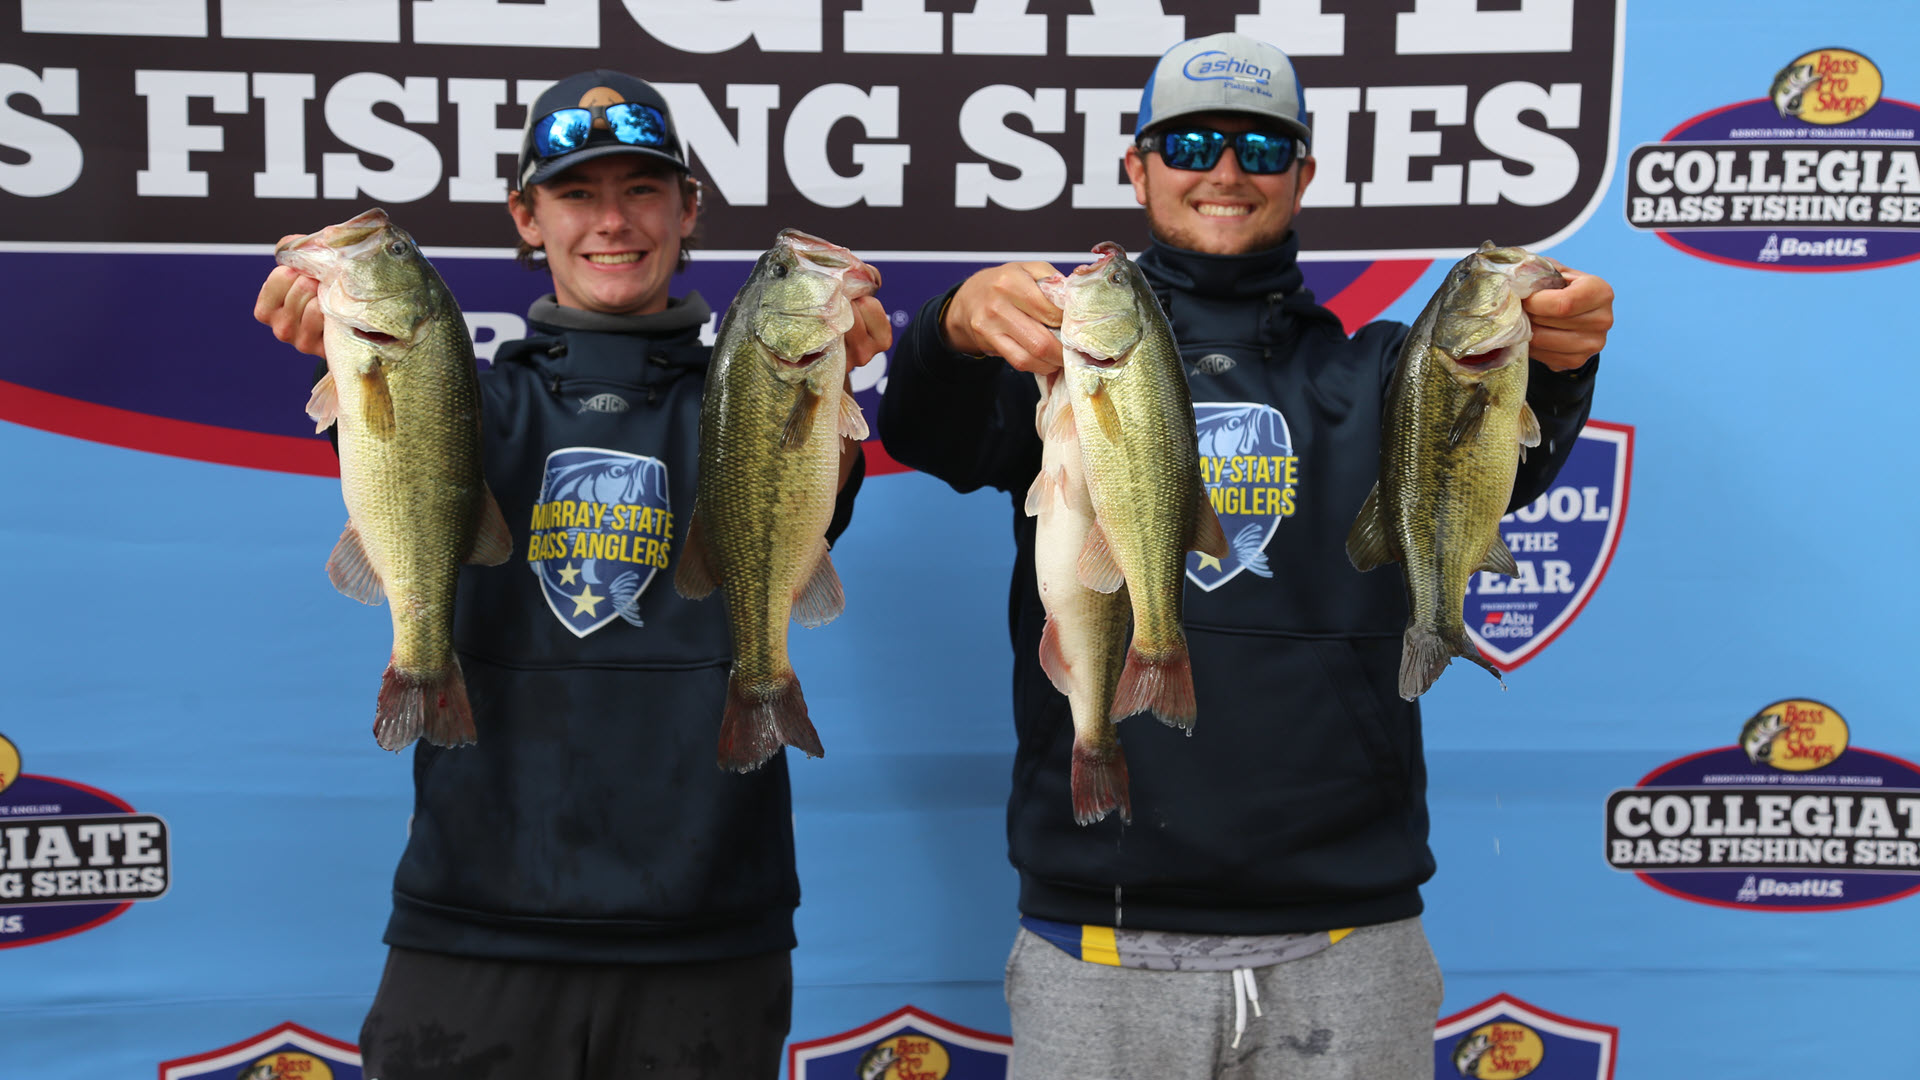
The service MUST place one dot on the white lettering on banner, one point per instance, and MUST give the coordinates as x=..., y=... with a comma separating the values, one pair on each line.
x=1459, y=26
x=1496, y=123
x=1329, y=109
x=554, y=24
x=713, y=26
x=1556, y=576
x=999, y=28
x=481, y=142
x=311, y=20
x=489, y=329
x=284, y=100
x=1043, y=172
x=1124, y=28
x=892, y=26
x=122, y=18
x=350, y=116
x=55, y=848
x=170, y=138
x=1299, y=27
x=738, y=166
x=1104, y=141
x=881, y=180
x=1396, y=144
x=1565, y=504
x=54, y=158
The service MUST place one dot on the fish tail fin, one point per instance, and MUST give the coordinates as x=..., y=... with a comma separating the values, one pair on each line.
x=1426, y=653
x=760, y=720
x=431, y=705
x=1099, y=782
x=1161, y=684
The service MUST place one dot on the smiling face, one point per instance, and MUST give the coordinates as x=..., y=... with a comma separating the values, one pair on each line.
x=611, y=228
x=1225, y=210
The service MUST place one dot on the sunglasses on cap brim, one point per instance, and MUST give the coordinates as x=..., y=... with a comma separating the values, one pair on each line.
x=566, y=130
x=1198, y=149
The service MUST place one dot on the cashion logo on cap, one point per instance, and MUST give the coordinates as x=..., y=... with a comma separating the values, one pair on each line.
x=1214, y=64
x=1792, y=818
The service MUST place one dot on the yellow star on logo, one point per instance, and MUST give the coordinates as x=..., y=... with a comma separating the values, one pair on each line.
x=1207, y=560
x=568, y=573
x=586, y=603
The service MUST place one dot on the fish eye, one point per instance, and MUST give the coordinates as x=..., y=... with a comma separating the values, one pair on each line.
x=1117, y=278
x=779, y=270
x=397, y=247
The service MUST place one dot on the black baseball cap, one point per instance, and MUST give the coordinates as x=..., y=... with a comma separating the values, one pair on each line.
x=591, y=89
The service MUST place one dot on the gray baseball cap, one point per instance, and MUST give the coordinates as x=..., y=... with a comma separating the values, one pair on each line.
x=1223, y=73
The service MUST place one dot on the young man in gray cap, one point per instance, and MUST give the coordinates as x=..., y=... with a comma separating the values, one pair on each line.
x=1262, y=918
x=583, y=893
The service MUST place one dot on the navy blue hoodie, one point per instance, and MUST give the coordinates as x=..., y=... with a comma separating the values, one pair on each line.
x=589, y=822
x=1299, y=803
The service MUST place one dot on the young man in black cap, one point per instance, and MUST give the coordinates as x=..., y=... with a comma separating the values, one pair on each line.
x=583, y=893
x=1263, y=920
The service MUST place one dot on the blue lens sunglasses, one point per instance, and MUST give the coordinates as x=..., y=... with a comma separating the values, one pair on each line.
x=566, y=130
x=1199, y=149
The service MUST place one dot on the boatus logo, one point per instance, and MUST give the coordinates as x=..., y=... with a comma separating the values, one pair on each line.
x=1562, y=543
x=1792, y=817
x=287, y=1052
x=1823, y=173
x=1504, y=1038
x=906, y=1044
x=1252, y=478
x=601, y=529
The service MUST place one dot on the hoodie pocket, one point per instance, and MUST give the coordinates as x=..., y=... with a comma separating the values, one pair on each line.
x=1358, y=695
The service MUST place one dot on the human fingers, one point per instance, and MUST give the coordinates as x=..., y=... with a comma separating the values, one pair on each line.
x=1564, y=350
x=871, y=333
x=1586, y=298
x=1001, y=307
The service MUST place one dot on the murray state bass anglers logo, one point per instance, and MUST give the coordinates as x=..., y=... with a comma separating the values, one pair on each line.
x=1821, y=174
x=288, y=1052
x=1504, y=1038
x=903, y=1045
x=602, y=529
x=1247, y=460
x=71, y=856
x=1562, y=543
x=1792, y=818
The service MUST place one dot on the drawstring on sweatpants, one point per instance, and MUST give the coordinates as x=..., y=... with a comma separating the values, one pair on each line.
x=1244, y=990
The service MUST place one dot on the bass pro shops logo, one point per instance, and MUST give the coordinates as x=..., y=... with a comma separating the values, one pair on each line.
x=1504, y=1038
x=1821, y=174
x=1792, y=818
x=903, y=1045
x=287, y=1052
x=602, y=528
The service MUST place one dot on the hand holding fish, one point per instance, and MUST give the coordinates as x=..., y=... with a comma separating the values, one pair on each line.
x=1001, y=311
x=1570, y=325
x=286, y=305
x=872, y=331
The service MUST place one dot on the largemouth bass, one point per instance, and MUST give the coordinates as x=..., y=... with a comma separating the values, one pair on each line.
x=1134, y=417
x=1084, y=646
x=1455, y=429
x=400, y=385
x=771, y=422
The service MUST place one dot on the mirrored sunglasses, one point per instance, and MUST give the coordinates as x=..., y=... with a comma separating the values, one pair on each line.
x=1199, y=149
x=566, y=130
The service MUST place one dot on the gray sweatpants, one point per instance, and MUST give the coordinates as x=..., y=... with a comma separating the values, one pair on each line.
x=1362, y=1009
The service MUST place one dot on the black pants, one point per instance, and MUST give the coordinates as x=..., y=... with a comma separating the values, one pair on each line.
x=442, y=1017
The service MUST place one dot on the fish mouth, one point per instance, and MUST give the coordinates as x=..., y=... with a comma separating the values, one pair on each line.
x=1106, y=250
x=805, y=361
x=857, y=278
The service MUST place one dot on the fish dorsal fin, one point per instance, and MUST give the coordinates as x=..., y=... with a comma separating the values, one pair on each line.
x=1500, y=558
x=1472, y=415
x=820, y=600
x=323, y=407
x=376, y=403
x=1207, y=536
x=694, y=577
x=800, y=420
x=1529, y=429
x=492, y=542
x=352, y=572
x=1052, y=660
x=1097, y=569
x=1367, y=545
x=853, y=422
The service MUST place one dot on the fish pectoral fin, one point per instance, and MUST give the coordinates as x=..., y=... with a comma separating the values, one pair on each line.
x=1500, y=559
x=1367, y=545
x=1061, y=427
x=376, y=403
x=1472, y=415
x=323, y=407
x=694, y=577
x=493, y=541
x=1529, y=429
x=1052, y=660
x=352, y=572
x=800, y=421
x=853, y=422
x=1039, y=493
x=1097, y=569
x=1207, y=536
x=820, y=600
x=1104, y=412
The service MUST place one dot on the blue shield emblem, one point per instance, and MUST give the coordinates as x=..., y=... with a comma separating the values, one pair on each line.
x=1562, y=543
x=1246, y=458
x=602, y=528
x=1507, y=1038
x=904, y=1043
